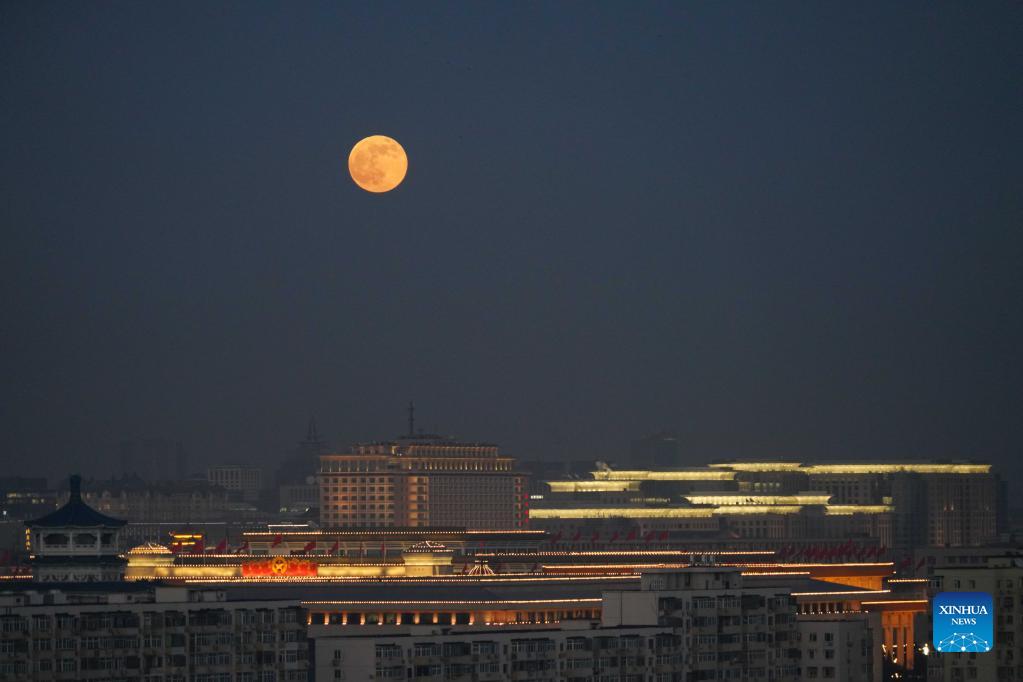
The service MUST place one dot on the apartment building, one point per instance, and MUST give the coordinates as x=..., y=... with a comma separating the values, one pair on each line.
x=841, y=647
x=729, y=630
x=135, y=631
x=1002, y=578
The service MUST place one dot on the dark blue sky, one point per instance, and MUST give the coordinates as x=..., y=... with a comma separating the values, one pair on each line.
x=779, y=229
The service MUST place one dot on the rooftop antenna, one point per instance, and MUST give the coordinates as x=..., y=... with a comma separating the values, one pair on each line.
x=411, y=418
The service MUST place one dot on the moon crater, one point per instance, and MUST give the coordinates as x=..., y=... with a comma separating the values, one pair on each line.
x=377, y=164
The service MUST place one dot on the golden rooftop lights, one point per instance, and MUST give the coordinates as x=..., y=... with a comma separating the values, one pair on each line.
x=898, y=468
x=757, y=466
x=593, y=486
x=860, y=468
x=738, y=498
x=848, y=509
x=646, y=475
x=621, y=512
x=431, y=602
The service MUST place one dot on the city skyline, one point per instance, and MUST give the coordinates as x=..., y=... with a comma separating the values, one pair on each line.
x=775, y=231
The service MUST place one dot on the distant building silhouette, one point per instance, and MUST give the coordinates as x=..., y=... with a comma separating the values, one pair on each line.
x=153, y=459
x=655, y=451
x=296, y=477
x=240, y=481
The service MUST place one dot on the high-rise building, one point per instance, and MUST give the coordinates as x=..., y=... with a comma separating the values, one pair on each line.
x=422, y=480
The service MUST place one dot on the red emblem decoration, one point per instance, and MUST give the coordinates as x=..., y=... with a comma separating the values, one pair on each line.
x=279, y=566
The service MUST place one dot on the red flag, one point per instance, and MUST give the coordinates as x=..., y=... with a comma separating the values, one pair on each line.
x=333, y=548
x=556, y=538
x=881, y=551
x=920, y=564
x=383, y=549
x=578, y=534
x=632, y=534
x=649, y=536
x=199, y=546
x=664, y=536
x=595, y=537
x=221, y=546
x=278, y=539
x=614, y=537
x=906, y=562
x=309, y=546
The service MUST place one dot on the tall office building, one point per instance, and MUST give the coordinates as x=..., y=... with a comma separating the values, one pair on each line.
x=422, y=480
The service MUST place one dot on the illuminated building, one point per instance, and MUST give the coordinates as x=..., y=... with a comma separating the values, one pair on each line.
x=889, y=504
x=25, y=498
x=76, y=543
x=422, y=480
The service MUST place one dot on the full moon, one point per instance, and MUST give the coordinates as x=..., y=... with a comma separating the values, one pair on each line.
x=377, y=164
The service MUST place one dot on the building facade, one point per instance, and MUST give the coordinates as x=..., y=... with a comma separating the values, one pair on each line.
x=1002, y=578
x=140, y=501
x=241, y=482
x=76, y=543
x=422, y=481
x=150, y=633
x=897, y=506
x=842, y=647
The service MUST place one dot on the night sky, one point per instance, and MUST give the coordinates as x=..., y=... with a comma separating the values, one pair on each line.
x=781, y=230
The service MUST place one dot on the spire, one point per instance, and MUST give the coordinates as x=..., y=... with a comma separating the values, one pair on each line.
x=411, y=418
x=76, y=488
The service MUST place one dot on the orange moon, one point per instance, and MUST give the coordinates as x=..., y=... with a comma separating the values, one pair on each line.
x=377, y=164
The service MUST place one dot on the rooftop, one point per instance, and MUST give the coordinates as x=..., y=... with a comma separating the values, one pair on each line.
x=76, y=514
